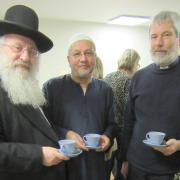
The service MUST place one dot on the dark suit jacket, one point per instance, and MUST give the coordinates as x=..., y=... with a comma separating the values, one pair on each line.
x=23, y=130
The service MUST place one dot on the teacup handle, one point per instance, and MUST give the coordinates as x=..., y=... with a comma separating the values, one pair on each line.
x=84, y=138
x=62, y=147
x=147, y=136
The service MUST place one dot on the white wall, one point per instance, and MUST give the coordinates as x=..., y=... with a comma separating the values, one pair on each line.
x=110, y=41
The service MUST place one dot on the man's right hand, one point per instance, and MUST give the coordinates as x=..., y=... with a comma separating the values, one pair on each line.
x=79, y=141
x=51, y=156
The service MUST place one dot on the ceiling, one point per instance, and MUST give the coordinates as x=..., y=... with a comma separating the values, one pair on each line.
x=99, y=11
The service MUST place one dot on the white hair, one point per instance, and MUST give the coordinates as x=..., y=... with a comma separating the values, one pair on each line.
x=21, y=85
x=79, y=37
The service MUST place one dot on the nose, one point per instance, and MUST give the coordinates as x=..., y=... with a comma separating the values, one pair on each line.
x=159, y=41
x=25, y=56
x=83, y=57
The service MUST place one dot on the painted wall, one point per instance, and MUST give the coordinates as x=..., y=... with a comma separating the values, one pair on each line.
x=110, y=41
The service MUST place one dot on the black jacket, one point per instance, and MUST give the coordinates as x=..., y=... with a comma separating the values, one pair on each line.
x=23, y=130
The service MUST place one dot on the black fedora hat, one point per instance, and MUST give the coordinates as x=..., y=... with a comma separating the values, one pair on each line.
x=23, y=20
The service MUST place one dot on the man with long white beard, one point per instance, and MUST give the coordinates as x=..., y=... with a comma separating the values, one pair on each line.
x=154, y=105
x=28, y=144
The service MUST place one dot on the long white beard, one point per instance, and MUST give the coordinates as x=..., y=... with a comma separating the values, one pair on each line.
x=21, y=84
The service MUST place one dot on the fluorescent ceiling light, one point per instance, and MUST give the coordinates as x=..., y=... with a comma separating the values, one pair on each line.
x=129, y=20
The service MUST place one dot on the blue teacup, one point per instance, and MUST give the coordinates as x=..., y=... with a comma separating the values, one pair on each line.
x=155, y=137
x=67, y=146
x=92, y=140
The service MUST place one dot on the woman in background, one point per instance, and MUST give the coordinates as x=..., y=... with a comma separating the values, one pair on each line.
x=128, y=64
x=98, y=69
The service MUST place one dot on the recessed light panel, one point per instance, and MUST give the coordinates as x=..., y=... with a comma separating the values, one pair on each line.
x=129, y=20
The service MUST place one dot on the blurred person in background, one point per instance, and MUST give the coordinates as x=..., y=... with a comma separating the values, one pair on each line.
x=98, y=69
x=119, y=80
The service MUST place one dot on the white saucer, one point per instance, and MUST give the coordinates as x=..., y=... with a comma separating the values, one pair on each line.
x=93, y=147
x=74, y=154
x=145, y=141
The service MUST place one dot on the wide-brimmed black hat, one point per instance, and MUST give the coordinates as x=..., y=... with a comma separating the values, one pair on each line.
x=23, y=20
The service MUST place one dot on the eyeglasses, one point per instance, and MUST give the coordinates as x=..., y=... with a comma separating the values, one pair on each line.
x=33, y=53
x=78, y=54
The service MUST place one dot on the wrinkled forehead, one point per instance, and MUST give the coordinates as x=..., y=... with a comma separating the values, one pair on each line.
x=162, y=26
x=16, y=38
x=82, y=45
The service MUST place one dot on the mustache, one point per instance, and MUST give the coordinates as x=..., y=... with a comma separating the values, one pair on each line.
x=25, y=64
x=159, y=50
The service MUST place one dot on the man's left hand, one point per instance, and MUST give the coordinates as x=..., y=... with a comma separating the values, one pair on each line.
x=173, y=145
x=104, y=143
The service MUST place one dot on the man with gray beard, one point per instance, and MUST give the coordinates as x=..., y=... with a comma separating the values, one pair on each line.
x=28, y=144
x=154, y=105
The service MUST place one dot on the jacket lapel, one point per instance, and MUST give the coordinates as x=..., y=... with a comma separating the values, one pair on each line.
x=37, y=119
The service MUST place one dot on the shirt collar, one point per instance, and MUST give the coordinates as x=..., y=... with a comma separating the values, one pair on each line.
x=170, y=65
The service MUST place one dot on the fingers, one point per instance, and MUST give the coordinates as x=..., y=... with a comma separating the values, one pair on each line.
x=104, y=142
x=51, y=156
x=79, y=141
x=169, y=149
x=72, y=135
x=62, y=157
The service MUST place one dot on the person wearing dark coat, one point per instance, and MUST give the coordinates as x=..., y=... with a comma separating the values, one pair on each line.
x=28, y=144
x=79, y=104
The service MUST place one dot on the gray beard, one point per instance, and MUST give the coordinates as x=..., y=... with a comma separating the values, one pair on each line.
x=21, y=85
x=84, y=75
x=167, y=59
